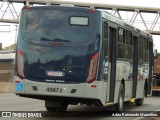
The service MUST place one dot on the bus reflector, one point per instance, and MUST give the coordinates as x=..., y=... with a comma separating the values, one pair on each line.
x=28, y=7
x=93, y=86
x=17, y=81
x=56, y=44
x=93, y=68
x=92, y=10
x=20, y=64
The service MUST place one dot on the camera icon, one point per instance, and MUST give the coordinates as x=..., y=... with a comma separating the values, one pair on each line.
x=6, y=114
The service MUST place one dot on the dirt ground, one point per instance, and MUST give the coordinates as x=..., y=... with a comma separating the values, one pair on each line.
x=6, y=87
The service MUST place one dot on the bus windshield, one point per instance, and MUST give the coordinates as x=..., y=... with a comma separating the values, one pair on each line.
x=58, y=25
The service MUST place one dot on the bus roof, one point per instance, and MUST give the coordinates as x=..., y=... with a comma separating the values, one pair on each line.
x=105, y=14
x=69, y=8
x=119, y=21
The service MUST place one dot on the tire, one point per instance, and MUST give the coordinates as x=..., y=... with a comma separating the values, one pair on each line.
x=120, y=105
x=62, y=108
x=155, y=93
x=139, y=102
x=57, y=109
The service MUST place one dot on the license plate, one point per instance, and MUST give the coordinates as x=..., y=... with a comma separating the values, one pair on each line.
x=54, y=73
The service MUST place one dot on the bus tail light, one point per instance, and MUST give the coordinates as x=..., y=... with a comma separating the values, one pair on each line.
x=20, y=64
x=93, y=68
x=93, y=10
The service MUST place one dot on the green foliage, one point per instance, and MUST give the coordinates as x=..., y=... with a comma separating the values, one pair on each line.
x=11, y=47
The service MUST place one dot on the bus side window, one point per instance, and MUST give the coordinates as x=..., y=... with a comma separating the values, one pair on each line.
x=129, y=53
x=121, y=43
x=141, y=40
x=105, y=38
x=145, y=50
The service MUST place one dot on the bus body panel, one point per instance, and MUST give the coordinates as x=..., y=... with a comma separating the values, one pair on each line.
x=54, y=89
x=124, y=69
x=95, y=90
x=128, y=90
x=49, y=61
x=140, y=88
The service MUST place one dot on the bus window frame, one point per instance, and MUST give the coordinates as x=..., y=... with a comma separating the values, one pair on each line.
x=123, y=43
x=105, y=39
x=146, y=49
x=141, y=48
x=130, y=45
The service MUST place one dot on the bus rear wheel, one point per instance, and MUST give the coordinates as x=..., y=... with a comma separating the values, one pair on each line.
x=53, y=106
x=120, y=105
x=57, y=109
x=139, y=102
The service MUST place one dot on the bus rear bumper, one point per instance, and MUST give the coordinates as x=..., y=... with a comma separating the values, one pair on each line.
x=95, y=90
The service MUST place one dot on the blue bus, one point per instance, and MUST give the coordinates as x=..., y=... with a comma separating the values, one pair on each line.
x=71, y=55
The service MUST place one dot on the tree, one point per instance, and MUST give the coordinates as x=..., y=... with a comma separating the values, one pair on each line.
x=11, y=47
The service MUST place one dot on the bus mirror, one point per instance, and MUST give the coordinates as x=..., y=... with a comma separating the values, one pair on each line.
x=155, y=53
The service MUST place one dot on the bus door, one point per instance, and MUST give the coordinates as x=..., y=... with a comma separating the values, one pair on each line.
x=135, y=65
x=112, y=61
x=149, y=82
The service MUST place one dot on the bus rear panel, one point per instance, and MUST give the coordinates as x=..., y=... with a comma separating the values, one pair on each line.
x=58, y=53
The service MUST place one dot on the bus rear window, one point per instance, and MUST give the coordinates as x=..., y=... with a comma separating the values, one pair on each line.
x=79, y=21
x=46, y=25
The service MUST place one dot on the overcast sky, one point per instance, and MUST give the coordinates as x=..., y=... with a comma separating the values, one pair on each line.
x=9, y=37
x=146, y=3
